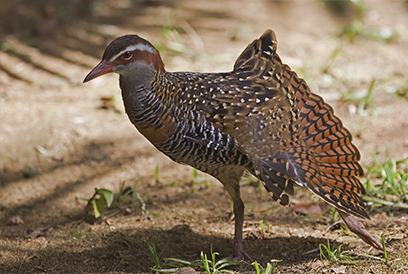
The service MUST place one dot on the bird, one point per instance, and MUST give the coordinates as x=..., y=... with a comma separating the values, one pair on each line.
x=261, y=117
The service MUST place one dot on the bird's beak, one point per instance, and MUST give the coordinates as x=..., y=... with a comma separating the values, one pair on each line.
x=102, y=68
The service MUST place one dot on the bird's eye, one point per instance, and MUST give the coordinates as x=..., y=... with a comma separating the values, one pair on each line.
x=127, y=55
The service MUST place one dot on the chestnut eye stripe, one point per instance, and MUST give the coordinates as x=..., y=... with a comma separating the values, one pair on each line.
x=141, y=47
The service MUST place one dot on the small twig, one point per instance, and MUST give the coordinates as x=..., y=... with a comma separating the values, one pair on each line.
x=22, y=261
x=107, y=216
x=341, y=222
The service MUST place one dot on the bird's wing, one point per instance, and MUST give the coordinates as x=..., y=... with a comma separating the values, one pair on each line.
x=289, y=133
x=256, y=104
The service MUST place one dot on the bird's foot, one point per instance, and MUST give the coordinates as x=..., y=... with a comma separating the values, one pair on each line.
x=240, y=254
x=358, y=228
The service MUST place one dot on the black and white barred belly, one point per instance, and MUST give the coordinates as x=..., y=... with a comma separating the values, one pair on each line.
x=198, y=143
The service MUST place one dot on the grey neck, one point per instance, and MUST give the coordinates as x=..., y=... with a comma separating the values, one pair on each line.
x=135, y=83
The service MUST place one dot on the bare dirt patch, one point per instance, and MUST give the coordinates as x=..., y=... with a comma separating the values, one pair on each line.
x=59, y=141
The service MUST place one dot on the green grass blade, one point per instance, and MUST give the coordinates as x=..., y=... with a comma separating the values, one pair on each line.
x=396, y=263
x=258, y=271
x=152, y=253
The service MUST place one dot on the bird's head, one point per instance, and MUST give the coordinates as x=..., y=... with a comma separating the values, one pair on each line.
x=128, y=55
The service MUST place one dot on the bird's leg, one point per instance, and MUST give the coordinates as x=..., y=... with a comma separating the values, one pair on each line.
x=239, y=221
x=230, y=180
x=356, y=226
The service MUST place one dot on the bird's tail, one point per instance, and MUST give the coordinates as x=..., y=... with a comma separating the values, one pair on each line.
x=337, y=158
x=326, y=155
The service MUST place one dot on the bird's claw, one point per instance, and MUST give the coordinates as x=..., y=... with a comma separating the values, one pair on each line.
x=240, y=256
x=356, y=226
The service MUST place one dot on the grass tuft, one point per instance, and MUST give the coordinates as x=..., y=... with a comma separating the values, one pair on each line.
x=152, y=253
x=209, y=265
x=357, y=27
x=387, y=183
x=199, y=182
x=363, y=100
x=269, y=267
x=334, y=256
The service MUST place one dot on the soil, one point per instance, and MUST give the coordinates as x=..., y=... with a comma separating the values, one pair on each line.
x=60, y=139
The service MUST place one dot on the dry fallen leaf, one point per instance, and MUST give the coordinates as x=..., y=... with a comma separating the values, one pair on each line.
x=315, y=265
x=188, y=270
x=37, y=232
x=339, y=270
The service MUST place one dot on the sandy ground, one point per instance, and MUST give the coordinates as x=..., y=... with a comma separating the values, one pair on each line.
x=59, y=140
